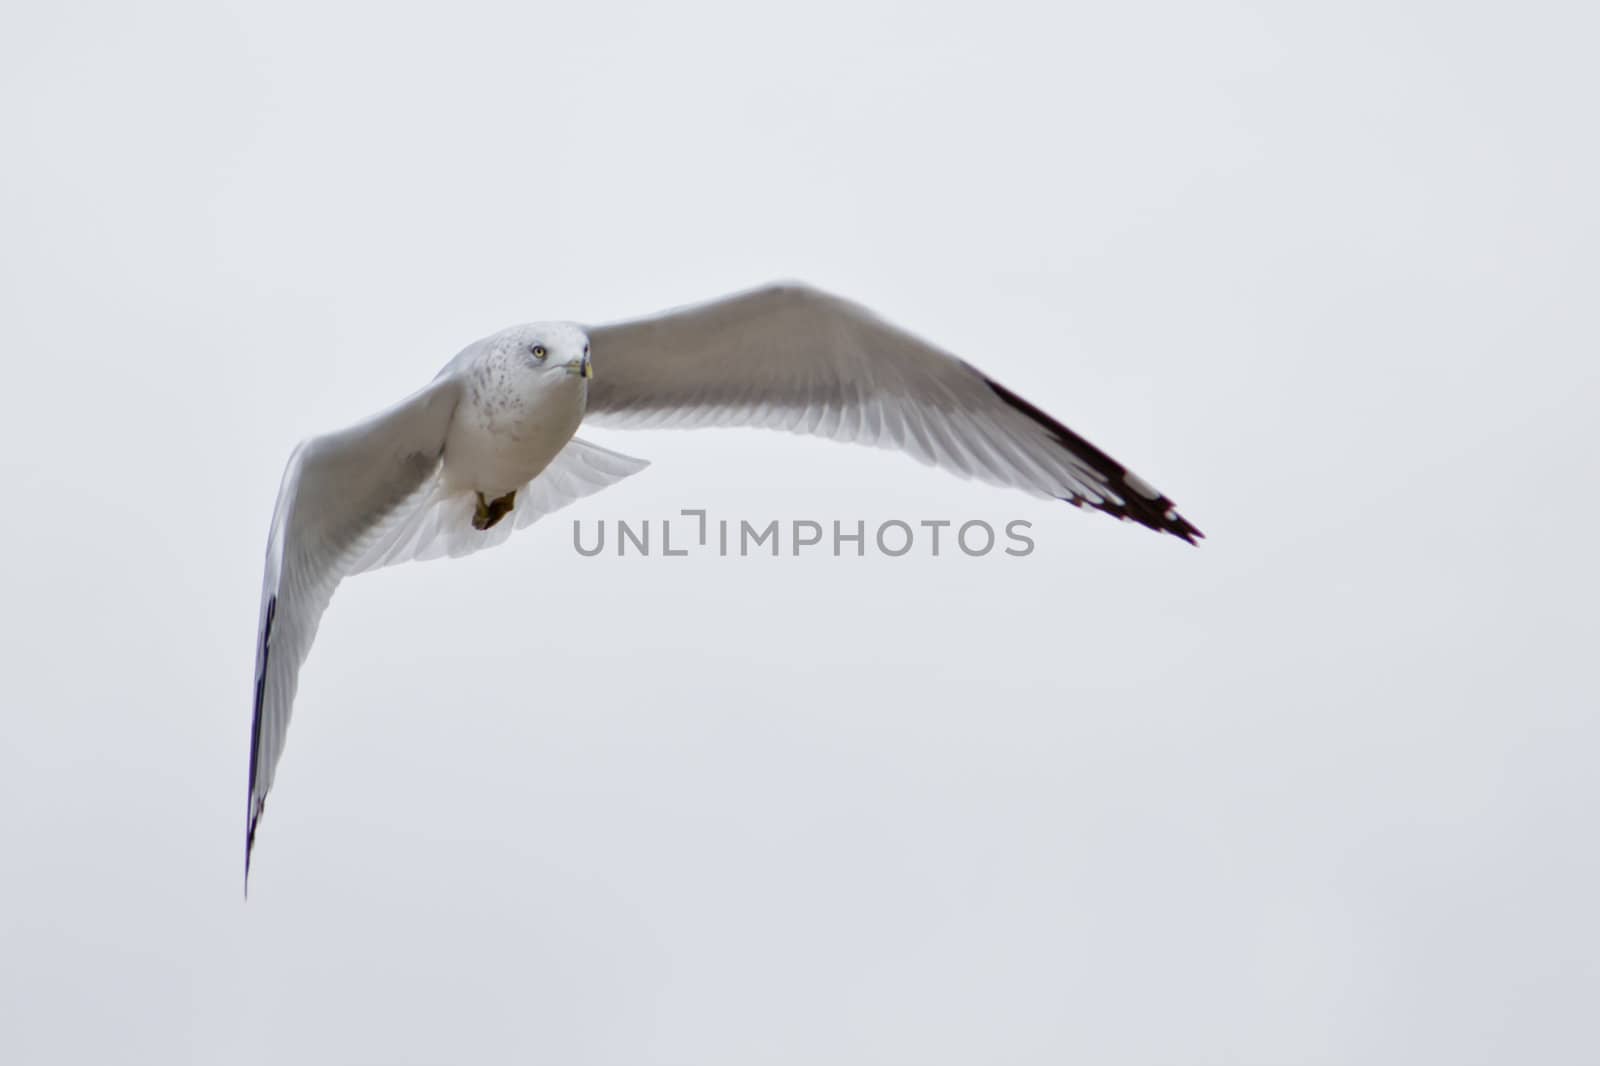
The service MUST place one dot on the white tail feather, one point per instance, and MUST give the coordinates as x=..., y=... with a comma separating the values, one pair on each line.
x=435, y=523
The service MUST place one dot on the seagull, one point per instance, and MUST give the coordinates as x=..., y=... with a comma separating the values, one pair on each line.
x=488, y=447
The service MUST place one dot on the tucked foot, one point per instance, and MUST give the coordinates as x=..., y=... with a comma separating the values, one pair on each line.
x=488, y=512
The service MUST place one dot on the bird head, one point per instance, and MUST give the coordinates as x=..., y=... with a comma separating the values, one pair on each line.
x=550, y=347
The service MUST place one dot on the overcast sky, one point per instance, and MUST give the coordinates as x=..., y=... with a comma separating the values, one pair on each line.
x=1321, y=790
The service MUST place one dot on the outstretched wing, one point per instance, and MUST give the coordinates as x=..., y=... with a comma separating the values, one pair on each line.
x=790, y=357
x=341, y=493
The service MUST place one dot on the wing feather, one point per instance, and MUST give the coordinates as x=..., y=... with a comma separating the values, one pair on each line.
x=791, y=357
x=367, y=498
x=340, y=493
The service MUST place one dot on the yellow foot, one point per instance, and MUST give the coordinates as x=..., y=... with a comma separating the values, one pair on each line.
x=488, y=512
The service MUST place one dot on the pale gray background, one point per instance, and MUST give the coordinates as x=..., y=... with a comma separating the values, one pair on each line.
x=1321, y=791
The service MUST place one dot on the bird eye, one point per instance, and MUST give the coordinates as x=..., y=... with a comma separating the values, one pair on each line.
x=539, y=352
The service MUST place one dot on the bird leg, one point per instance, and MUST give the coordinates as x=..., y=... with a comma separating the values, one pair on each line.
x=488, y=512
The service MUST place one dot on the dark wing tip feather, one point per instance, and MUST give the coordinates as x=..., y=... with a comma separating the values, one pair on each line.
x=1157, y=513
x=252, y=809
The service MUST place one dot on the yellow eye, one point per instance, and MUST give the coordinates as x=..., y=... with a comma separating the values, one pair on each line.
x=539, y=352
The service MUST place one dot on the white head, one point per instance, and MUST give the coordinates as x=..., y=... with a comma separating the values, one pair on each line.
x=544, y=347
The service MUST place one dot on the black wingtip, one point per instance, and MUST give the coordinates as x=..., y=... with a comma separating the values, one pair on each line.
x=252, y=809
x=249, y=846
x=1137, y=503
x=249, y=843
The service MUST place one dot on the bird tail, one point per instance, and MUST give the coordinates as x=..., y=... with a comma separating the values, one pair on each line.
x=436, y=522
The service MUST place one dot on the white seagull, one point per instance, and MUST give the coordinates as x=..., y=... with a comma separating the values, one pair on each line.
x=488, y=447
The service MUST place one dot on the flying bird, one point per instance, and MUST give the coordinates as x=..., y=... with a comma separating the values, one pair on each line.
x=488, y=447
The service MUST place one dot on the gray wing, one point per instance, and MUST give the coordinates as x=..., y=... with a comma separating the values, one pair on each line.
x=790, y=357
x=341, y=493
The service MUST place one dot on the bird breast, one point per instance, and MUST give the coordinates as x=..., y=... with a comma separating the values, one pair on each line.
x=509, y=425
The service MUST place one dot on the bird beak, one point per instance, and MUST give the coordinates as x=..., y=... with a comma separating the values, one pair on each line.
x=582, y=368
